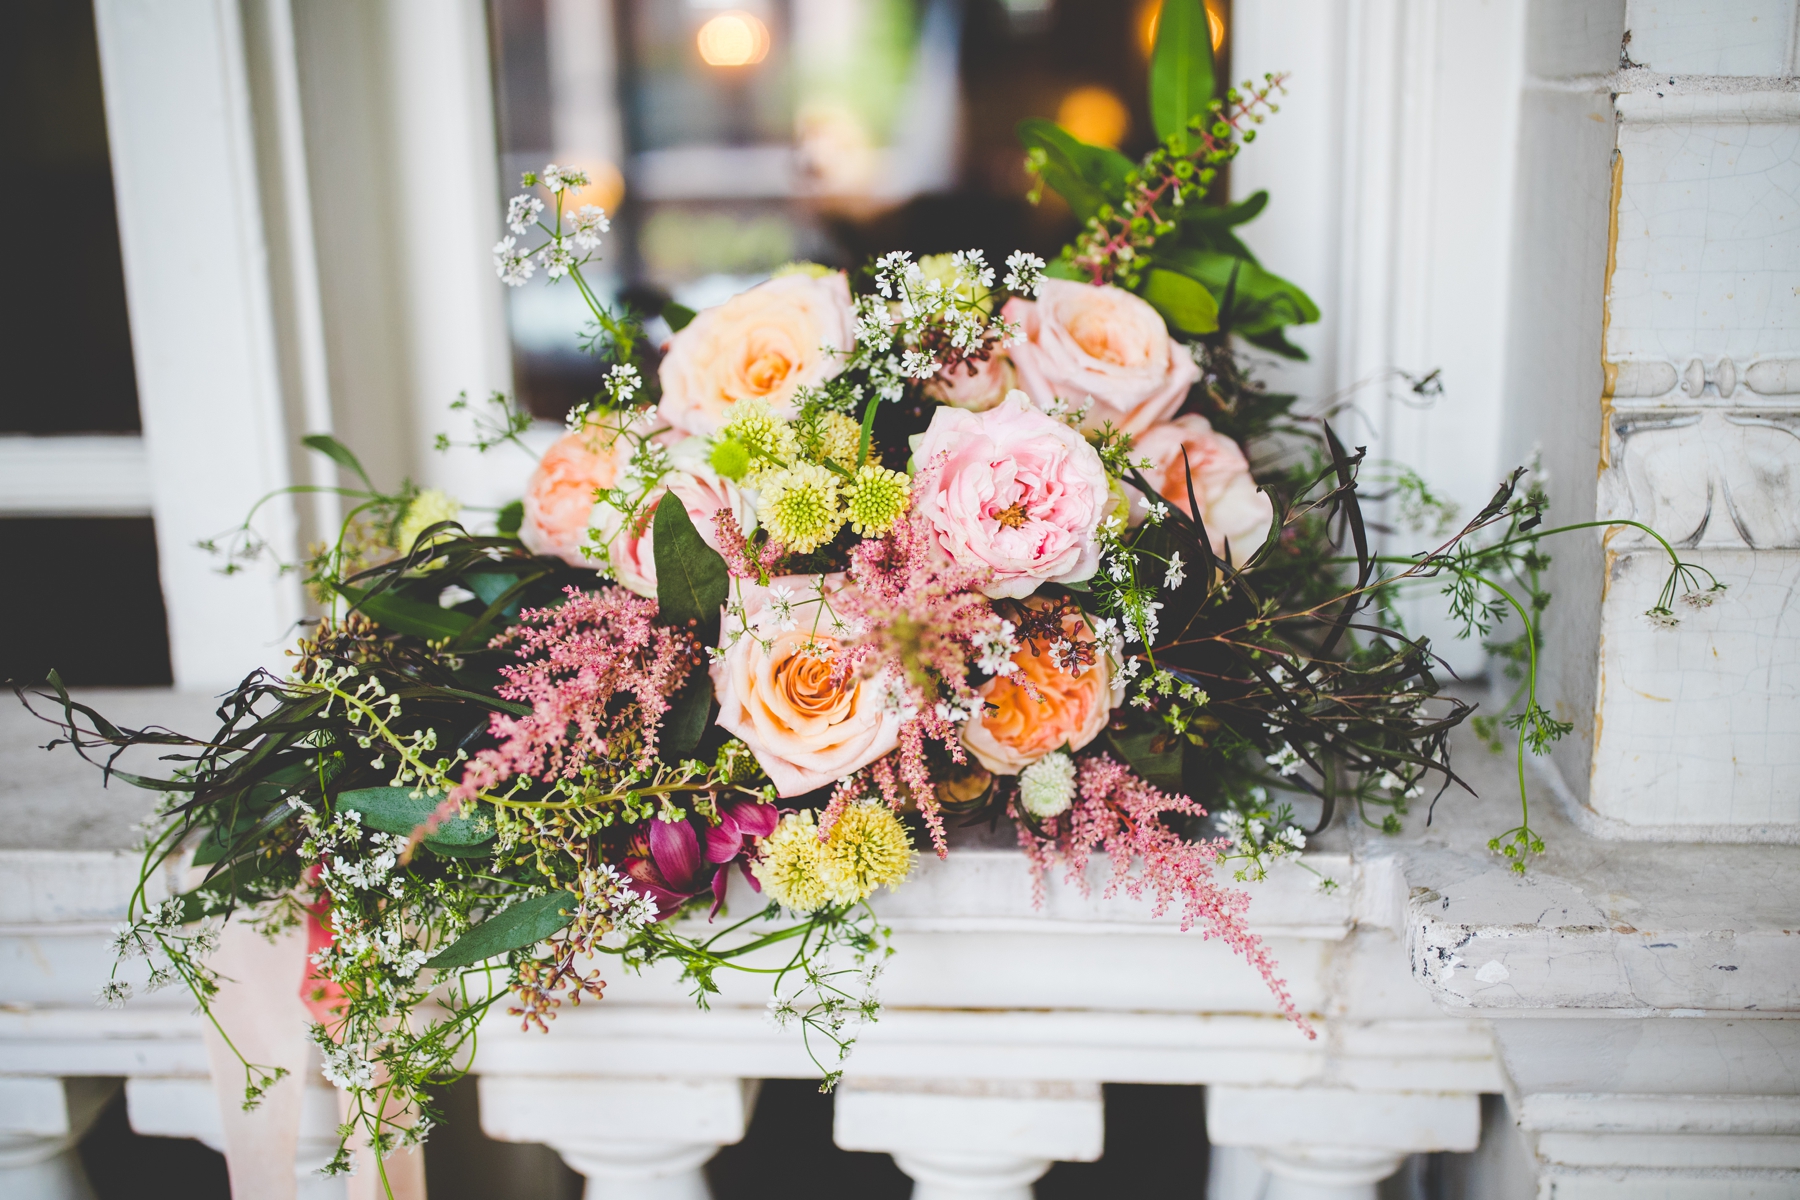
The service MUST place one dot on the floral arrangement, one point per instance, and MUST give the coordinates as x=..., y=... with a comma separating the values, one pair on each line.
x=849, y=560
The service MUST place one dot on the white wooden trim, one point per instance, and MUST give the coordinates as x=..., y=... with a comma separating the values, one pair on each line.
x=197, y=286
x=100, y=475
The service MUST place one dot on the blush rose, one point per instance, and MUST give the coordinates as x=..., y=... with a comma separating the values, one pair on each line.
x=776, y=690
x=559, y=497
x=1012, y=492
x=1231, y=507
x=764, y=344
x=1082, y=343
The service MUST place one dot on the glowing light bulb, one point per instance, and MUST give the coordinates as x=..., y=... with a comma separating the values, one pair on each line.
x=733, y=39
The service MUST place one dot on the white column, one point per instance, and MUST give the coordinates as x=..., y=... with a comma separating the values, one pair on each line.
x=185, y=1107
x=445, y=216
x=960, y=1140
x=41, y=1122
x=197, y=283
x=633, y=1139
x=1331, y=1143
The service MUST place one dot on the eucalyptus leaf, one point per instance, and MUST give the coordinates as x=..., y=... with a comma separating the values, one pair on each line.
x=524, y=924
x=1183, y=301
x=397, y=810
x=677, y=315
x=691, y=581
x=1181, y=70
x=401, y=615
x=1161, y=769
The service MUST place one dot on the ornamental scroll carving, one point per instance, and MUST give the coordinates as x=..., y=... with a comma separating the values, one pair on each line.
x=1708, y=478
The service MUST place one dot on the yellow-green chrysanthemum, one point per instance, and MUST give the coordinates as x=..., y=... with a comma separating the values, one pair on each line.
x=878, y=498
x=792, y=869
x=768, y=438
x=866, y=848
x=839, y=439
x=800, y=507
x=427, y=509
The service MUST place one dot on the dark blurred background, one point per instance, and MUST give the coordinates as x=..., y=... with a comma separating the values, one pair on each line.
x=728, y=139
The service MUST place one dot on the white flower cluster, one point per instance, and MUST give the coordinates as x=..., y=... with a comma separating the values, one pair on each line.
x=994, y=649
x=928, y=312
x=573, y=235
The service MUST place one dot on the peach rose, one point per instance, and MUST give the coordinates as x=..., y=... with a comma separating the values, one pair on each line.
x=1013, y=492
x=775, y=689
x=1103, y=344
x=994, y=377
x=1014, y=730
x=559, y=498
x=766, y=343
x=631, y=545
x=1231, y=507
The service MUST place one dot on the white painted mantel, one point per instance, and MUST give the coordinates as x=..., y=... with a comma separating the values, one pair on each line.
x=1597, y=239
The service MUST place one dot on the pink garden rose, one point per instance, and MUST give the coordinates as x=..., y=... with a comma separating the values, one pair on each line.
x=1083, y=342
x=1231, y=507
x=993, y=377
x=1012, y=492
x=559, y=497
x=631, y=545
x=777, y=692
x=765, y=343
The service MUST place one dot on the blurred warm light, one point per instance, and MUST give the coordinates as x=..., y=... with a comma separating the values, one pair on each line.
x=1151, y=11
x=733, y=39
x=1094, y=115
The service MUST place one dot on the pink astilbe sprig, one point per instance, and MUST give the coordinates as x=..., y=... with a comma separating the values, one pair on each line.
x=921, y=621
x=1118, y=814
x=582, y=659
x=735, y=549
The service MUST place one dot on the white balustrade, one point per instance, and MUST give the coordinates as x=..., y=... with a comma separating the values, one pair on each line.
x=41, y=1122
x=967, y=1139
x=633, y=1138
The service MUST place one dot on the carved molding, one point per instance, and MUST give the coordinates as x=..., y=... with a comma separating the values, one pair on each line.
x=1640, y=379
x=1707, y=478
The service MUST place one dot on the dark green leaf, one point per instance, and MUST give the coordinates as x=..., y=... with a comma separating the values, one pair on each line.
x=524, y=924
x=1159, y=769
x=677, y=315
x=1223, y=216
x=686, y=721
x=1085, y=176
x=1184, y=303
x=1181, y=69
x=1062, y=268
x=1276, y=342
x=511, y=517
x=401, y=615
x=397, y=810
x=338, y=453
x=1260, y=300
x=691, y=581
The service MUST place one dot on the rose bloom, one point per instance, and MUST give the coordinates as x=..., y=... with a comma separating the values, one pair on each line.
x=1014, y=730
x=559, y=498
x=1231, y=507
x=805, y=731
x=1083, y=342
x=994, y=377
x=631, y=545
x=1013, y=492
x=766, y=343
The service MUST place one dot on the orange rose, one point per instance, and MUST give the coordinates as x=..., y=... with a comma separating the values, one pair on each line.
x=1014, y=730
